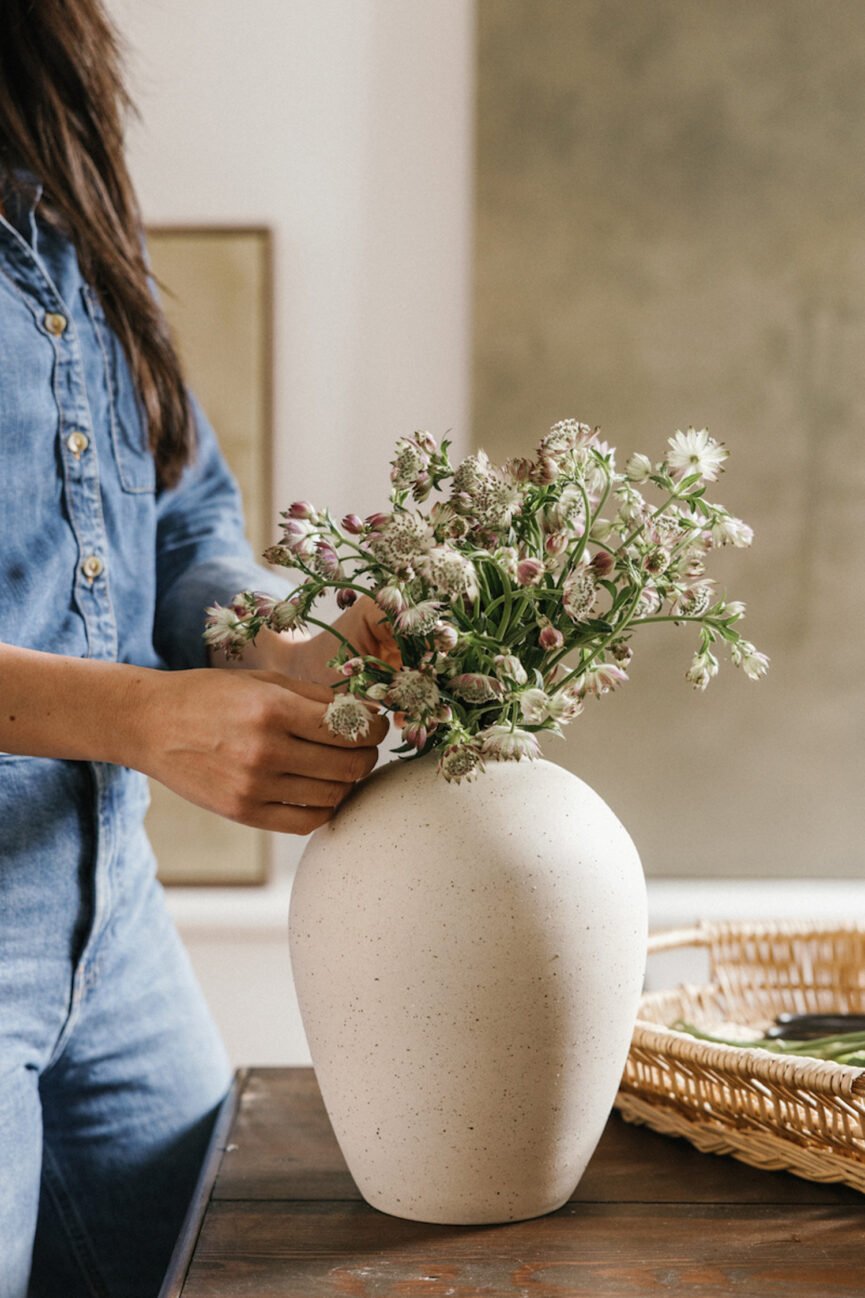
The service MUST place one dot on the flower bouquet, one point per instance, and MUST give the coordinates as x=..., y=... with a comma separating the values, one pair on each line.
x=516, y=595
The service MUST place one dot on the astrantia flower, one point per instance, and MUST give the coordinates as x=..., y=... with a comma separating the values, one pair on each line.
x=638, y=468
x=448, y=572
x=391, y=599
x=600, y=679
x=409, y=462
x=418, y=619
x=459, y=761
x=692, y=600
x=535, y=706
x=472, y=687
x=507, y=745
x=413, y=692
x=445, y=637
x=479, y=491
x=579, y=594
x=727, y=530
x=402, y=540
x=564, y=438
x=224, y=630
x=695, y=452
x=509, y=667
x=752, y=662
x=529, y=572
x=703, y=667
x=299, y=537
x=550, y=638
x=286, y=615
x=347, y=717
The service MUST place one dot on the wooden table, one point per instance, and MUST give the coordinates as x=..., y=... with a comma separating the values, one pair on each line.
x=277, y=1215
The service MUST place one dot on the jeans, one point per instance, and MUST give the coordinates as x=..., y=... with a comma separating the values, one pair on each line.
x=111, y=1069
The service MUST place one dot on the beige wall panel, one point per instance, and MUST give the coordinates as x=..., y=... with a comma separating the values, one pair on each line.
x=670, y=229
x=218, y=304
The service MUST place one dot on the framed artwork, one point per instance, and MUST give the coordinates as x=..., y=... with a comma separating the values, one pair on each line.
x=216, y=292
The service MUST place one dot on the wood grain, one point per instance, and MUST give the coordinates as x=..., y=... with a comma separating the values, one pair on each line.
x=283, y=1147
x=303, y=1250
x=652, y=1216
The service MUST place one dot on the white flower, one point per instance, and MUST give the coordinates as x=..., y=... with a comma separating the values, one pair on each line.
x=347, y=717
x=535, y=706
x=225, y=631
x=418, y=619
x=413, y=692
x=564, y=438
x=509, y=667
x=507, y=745
x=695, y=452
x=727, y=530
x=579, y=594
x=401, y=541
x=473, y=687
x=408, y=463
x=638, y=468
x=600, y=680
x=691, y=599
x=752, y=662
x=449, y=572
x=703, y=667
x=459, y=761
x=491, y=500
x=285, y=615
x=391, y=599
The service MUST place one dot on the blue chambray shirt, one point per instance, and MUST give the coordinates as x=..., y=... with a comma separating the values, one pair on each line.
x=95, y=560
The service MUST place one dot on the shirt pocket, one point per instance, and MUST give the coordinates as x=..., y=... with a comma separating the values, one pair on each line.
x=136, y=466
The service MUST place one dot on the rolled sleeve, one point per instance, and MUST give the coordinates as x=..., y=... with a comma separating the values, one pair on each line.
x=202, y=553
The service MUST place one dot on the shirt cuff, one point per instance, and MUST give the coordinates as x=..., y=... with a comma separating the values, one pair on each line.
x=180, y=620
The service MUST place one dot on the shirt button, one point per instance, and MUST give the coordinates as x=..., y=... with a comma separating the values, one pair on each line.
x=55, y=324
x=77, y=442
x=92, y=566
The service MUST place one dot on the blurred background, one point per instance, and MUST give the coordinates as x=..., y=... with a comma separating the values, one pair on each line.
x=482, y=216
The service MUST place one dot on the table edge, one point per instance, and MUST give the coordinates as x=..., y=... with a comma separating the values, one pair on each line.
x=178, y=1266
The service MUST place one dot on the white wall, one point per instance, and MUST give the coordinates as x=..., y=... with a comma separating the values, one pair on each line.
x=346, y=126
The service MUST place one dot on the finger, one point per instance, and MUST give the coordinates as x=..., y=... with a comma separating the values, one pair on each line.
x=281, y=819
x=339, y=764
x=307, y=722
x=304, y=791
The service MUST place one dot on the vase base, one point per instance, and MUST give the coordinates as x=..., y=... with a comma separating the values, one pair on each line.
x=488, y=1217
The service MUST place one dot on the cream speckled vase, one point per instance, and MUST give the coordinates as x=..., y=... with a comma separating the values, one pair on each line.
x=468, y=961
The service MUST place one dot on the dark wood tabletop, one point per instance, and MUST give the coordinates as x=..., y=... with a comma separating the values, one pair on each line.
x=277, y=1215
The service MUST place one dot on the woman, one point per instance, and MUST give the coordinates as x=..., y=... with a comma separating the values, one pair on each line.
x=120, y=524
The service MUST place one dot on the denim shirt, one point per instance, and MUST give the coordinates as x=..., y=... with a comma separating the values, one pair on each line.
x=96, y=560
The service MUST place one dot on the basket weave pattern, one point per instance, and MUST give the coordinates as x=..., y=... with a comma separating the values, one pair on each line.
x=801, y=1115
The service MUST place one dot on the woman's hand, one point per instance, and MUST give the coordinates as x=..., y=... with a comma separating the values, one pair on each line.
x=252, y=746
x=363, y=625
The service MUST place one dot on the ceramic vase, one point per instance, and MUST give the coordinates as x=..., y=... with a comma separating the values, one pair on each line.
x=468, y=961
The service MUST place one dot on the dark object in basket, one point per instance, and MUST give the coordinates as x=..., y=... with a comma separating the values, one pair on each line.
x=805, y=1027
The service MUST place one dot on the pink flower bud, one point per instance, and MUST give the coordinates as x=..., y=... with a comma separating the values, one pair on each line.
x=377, y=521
x=551, y=638
x=352, y=667
x=391, y=599
x=445, y=637
x=603, y=563
x=301, y=509
x=351, y=523
x=529, y=572
x=415, y=734
x=345, y=598
x=327, y=559
x=545, y=471
x=556, y=543
x=426, y=441
x=264, y=604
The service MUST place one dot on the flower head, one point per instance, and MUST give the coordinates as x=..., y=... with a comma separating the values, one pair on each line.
x=579, y=593
x=347, y=717
x=418, y=619
x=695, y=452
x=460, y=761
x=507, y=745
x=224, y=630
x=413, y=692
x=401, y=541
x=752, y=662
x=472, y=687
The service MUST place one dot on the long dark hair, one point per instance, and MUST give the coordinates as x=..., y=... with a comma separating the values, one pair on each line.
x=62, y=109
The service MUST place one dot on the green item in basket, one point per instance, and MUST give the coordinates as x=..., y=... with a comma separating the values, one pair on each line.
x=841, y=1048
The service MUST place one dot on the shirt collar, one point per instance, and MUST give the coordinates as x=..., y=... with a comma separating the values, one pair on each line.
x=21, y=192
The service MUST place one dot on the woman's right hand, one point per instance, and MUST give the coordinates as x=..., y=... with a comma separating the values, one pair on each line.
x=251, y=746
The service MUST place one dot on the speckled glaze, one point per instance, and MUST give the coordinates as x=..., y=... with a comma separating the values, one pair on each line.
x=468, y=961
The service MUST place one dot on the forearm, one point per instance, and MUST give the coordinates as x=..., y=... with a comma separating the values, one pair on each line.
x=82, y=709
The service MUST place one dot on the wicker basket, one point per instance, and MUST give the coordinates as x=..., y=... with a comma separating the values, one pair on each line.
x=799, y=1115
